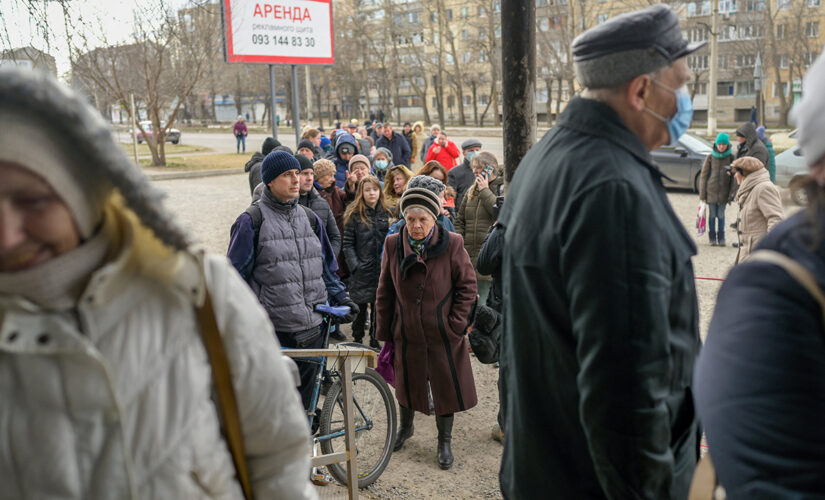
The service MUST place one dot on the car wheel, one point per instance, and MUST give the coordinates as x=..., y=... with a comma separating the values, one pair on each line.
x=175, y=141
x=797, y=188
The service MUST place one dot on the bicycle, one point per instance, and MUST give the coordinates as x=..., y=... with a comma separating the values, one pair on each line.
x=375, y=413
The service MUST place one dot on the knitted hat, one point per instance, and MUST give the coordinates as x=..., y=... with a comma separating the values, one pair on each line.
x=427, y=182
x=386, y=152
x=276, y=163
x=422, y=198
x=358, y=159
x=760, y=132
x=809, y=114
x=748, y=164
x=323, y=168
x=306, y=143
x=470, y=143
x=55, y=133
x=326, y=144
x=723, y=138
x=269, y=144
x=305, y=162
x=283, y=148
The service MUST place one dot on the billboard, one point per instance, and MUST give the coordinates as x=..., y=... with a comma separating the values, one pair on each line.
x=278, y=32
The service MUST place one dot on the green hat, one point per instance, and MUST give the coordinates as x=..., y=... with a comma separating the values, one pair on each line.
x=723, y=139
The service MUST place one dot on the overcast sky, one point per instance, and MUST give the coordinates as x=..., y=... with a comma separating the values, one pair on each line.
x=19, y=27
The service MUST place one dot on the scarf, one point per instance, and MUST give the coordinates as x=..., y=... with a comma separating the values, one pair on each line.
x=717, y=154
x=419, y=246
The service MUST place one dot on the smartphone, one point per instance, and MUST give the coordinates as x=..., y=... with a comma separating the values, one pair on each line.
x=487, y=171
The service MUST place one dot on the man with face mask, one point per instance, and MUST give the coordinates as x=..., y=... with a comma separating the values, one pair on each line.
x=600, y=304
x=461, y=177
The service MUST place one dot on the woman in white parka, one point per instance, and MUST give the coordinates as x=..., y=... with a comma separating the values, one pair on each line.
x=105, y=384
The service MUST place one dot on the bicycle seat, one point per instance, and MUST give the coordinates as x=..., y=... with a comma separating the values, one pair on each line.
x=332, y=311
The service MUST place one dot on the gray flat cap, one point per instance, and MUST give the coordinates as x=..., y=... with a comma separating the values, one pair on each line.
x=470, y=143
x=629, y=45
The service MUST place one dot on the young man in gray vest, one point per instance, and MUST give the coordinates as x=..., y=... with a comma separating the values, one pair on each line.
x=282, y=250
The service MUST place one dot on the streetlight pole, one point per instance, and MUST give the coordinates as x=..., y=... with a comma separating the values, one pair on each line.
x=714, y=64
x=757, y=86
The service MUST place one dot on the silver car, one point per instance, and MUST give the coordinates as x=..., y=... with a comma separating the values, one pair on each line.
x=683, y=162
x=792, y=172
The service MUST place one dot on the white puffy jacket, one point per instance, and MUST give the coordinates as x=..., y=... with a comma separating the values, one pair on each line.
x=113, y=401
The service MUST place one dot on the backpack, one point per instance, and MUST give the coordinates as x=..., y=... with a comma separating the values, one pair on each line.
x=254, y=211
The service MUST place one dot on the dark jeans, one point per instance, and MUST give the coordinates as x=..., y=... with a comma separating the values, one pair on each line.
x=361, y=321
x=308, y=369
x=716, y=214
x=239, y=141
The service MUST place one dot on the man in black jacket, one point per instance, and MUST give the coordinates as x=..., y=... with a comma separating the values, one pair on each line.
x=253, y=166
x=461, y=177
x=397, y=144
x=750, y=145
x=600, y=305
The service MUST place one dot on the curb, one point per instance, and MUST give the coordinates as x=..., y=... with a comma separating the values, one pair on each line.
x=195, y=174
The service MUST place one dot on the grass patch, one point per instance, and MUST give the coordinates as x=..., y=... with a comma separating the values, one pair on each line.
x=143, y=149
x=202, y=162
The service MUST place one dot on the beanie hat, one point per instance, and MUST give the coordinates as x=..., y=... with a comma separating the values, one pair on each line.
x=326, y=144
x=283, y=148
x=748, y=164
x=422, y=198
x=324, y=167
x=809, y=114
x=305, y=162
x=358, y=159
x=269, y=144
x=276, y=163
x=470, y=143
x=386, y=152
x=427, y=182
x=306, y=143
x=723, y=138
x=60, y=137
x=760, y=132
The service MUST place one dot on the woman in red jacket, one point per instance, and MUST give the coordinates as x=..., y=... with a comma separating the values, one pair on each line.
x=444, y=152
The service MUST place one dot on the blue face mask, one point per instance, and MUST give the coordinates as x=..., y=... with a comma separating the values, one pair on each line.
x=470, y=155
x=678, y=124
x=381, y=164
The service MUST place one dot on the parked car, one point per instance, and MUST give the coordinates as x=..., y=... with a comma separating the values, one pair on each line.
x=683, y=162
x=172, y=135
x=792, y=172
x=784, y=140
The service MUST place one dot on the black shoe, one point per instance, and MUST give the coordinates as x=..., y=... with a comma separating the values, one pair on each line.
x=406, y=430
x=374, y=343
x=337, y=335
x=445, y=437
x=358, y=337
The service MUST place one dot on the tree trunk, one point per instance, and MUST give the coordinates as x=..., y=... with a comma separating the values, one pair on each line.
x=475, y=102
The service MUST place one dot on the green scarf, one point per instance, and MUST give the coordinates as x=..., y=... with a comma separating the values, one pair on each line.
x=419, y=246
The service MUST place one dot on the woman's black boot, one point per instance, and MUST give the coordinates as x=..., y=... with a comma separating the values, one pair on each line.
x=406, y=430
x=445, y=436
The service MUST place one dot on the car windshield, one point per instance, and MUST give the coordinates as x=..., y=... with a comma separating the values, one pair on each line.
x=696, y=144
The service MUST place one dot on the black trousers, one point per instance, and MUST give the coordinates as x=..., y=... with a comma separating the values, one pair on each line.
x=307, y=368
x=361, y=321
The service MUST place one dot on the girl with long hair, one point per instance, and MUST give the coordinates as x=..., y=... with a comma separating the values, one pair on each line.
x=366, y=222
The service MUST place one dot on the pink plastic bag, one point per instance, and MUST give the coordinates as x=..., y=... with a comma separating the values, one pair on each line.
x=702, y=218
x=385, y=360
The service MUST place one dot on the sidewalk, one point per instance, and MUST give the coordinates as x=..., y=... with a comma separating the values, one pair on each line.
x=158, y=174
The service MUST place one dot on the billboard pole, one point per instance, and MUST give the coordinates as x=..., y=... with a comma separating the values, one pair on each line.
x=296, y=118
x=273, y=114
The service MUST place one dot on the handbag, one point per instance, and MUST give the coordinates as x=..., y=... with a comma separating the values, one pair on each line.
x=704, y=485
x=385, y=359
x=227, y=403
x=702, y=218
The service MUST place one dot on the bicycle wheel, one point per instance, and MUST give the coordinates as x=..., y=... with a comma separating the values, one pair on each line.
x=375, y=421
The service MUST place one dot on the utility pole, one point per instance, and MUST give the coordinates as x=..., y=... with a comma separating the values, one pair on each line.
x=518, y=60
x=714, y=63
x=309, y=94
x=296, y=117
x=273, y=114
x=757, y=86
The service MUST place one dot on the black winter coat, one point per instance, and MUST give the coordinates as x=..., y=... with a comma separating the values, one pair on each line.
x=362, y=250
x=461, y=178
x=752, y=145
x=322, y=209
x=601, y=319
x=760, y=380
x=253, y=166
x=489, y=263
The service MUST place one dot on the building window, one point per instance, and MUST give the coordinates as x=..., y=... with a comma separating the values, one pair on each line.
x=813, y=3
x=784, y=89
x=724, y=89
x=465, y=57
x=698, y=35
x=727, y=6
x=691, y=9
x=482, y=34
x=782, y=61
x=727, y=33
x=783, y=4
x=698, y=62
x=435, y=102
x=465, y=35
x=745, y=60
x=449, y=14
x=812, y=29
x=808, y=58
x=723, y=61
x=780, y=31
x=601, y=19
x=745, y=89
x=541, y=3
x=465, y=12
x=482, y=55
x=414, y=17
x=700, y=88
x=482, y=99
x=450, y=101
x=497, y=6
x=449, y=58
x=498, y=31
x=753, y=5
x=468, y=101
x=482, y=12
x=544, y=24
x=706, y=8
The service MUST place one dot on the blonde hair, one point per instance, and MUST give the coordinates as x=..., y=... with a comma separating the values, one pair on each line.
x=310, y=132
x=389, y=190
x=360, y=206
x=323, y=167
x=483, y=159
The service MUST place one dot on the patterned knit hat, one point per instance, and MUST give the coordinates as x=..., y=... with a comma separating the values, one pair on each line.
x=276, y=163
x=427, y=182
x=422, y=198
x=54, y=132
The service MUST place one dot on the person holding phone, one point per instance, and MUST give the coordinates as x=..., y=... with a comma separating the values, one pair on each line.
x=477, y=212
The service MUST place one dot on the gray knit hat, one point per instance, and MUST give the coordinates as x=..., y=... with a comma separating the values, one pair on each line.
x=52, y=131
x=809, y=114
x=386, y=152
x=427, y=182
x=421, y=198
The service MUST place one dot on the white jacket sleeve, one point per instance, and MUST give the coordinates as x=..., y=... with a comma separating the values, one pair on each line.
x=274, y=424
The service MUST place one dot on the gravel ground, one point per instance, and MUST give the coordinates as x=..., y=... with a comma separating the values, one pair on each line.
x=208, y=206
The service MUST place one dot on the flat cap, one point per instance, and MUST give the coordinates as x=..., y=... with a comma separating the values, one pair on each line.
x=629, y=45
x=470, y=143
